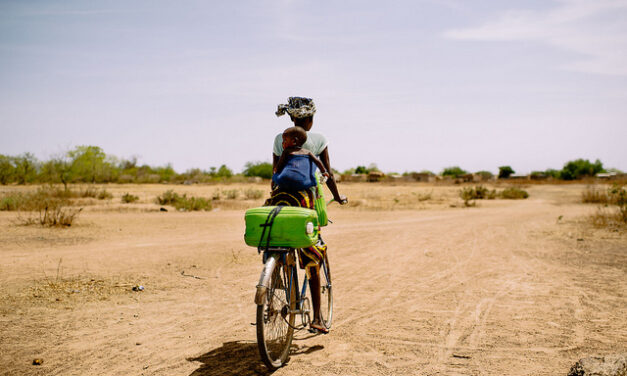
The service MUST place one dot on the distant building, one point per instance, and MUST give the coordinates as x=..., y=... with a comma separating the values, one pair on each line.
x=423, y=177
x=354, y=177
x=375, y=176
x=519, y=176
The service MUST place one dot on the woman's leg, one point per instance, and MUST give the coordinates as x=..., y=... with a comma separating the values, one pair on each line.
x=314, y=286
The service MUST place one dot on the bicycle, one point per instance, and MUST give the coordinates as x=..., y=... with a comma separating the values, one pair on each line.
x=279, y=301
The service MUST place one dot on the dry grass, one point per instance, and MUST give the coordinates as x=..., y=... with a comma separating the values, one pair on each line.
x=595, y=195
x=51, y=214
x=612, y=211
x=128, y=198
x=35, y=200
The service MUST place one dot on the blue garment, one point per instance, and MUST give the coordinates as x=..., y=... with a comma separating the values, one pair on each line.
x=298, y=173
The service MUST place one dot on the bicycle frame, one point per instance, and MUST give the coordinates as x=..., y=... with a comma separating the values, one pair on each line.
x=270, y=257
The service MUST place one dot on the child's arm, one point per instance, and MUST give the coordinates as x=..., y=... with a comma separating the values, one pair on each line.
x=318, y=163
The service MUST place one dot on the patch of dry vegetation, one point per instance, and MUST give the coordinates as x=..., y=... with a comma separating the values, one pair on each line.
x=479, y=192
x=182, y=202
x=128, y=198
x=48, y=206
x=612, y=210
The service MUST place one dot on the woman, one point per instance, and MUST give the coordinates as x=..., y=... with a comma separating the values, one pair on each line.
x=301, y=111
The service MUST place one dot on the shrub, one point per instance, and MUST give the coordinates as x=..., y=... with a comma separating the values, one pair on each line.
x=192, y=203
x=253, y=194
x=231, y=194
x=454, y=172
x=55, y=214
x=183, y=202
x=168, y=197
x=104, y=195
x=128, y=198
x=513, y=193
x=476, y=193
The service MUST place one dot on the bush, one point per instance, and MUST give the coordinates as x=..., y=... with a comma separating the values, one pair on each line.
x=192, y=203
x=168, y=197
x=183, y=202
x=128, y=198
x=253, y=194
x=479, y=192
x=231, y=194
x=54, y=213
x=454, y=172
x=261, y=169
x=513, y=193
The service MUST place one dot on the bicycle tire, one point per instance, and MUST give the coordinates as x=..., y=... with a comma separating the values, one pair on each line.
x=326, y=293
x=275, y=317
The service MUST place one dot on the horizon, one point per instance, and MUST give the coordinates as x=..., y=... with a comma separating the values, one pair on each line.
x=408, y=86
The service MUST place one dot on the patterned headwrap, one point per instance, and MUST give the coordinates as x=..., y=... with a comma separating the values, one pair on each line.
x=297, y=107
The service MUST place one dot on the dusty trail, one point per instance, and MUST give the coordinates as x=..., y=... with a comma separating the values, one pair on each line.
x=502, y=289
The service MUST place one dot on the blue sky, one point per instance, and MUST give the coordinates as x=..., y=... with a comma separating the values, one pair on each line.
x=409, y=85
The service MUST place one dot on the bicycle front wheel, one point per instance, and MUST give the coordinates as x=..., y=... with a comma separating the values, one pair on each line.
x=275, y=317
x=326, y=293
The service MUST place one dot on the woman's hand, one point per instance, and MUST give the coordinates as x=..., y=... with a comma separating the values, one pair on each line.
x=341, y=199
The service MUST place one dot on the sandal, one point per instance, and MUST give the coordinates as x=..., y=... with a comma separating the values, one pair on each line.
x=318, y=328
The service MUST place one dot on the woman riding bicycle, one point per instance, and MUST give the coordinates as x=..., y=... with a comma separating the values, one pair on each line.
x=301, y=111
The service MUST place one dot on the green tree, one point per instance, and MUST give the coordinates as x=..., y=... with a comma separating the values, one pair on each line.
x=56, y=170
x=88, y=164
x=361, y=170
x=7, y=169
x=261, y=169
x=224, y=172
x=505, y=172
x=454, y=171
x=166, y=173
x=25, y=168
x=580, y=168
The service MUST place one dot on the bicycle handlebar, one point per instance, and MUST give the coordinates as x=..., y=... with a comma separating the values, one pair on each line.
x=341, y=203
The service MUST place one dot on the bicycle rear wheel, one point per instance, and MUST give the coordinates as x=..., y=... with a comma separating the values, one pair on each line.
x=275, y=317
x=326, y=293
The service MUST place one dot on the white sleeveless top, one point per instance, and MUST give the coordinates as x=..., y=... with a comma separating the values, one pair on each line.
x=316, y=143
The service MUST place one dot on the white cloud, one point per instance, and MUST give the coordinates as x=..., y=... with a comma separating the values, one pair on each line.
x=596, y=29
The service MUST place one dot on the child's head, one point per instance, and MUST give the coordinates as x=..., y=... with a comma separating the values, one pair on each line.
x=294, y=136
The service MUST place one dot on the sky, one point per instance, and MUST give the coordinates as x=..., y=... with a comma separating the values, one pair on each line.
x=409, y=84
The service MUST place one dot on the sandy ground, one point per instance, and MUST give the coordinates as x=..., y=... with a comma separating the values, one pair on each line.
x=505, y=288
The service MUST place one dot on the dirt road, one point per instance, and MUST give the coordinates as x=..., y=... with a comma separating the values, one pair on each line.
x=506, y=288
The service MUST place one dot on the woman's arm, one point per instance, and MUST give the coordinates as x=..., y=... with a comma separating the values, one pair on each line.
x=324, y=157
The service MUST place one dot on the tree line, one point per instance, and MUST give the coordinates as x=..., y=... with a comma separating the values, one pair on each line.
x=90, y=164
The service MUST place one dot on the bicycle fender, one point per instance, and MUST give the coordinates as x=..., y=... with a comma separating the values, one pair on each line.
x=264, y=279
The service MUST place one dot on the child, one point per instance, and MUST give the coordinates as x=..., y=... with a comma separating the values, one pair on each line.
x=295, y=170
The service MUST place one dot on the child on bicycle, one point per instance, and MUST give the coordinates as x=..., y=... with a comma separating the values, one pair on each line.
x=296, y=167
